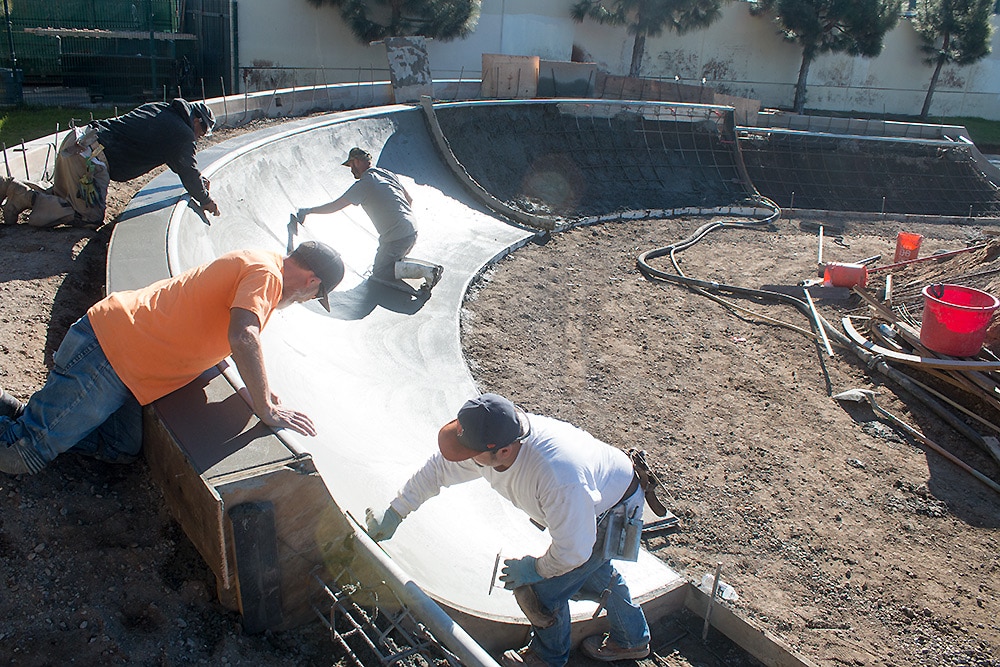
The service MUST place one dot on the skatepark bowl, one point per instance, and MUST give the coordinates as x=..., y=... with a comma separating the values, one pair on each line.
x=273, y=513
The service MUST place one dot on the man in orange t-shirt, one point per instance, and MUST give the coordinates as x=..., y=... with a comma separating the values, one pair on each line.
x=134, y=347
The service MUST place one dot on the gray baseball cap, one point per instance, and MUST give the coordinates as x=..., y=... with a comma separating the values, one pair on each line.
x=357, y=154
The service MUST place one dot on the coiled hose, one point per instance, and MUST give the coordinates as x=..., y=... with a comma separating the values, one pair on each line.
x=710, y=289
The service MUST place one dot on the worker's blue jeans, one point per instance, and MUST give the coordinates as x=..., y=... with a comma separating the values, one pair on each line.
x=628, y=626
x=84, y=406
x=388, y=253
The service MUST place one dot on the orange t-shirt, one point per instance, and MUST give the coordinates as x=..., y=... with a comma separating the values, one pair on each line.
x=161, y=337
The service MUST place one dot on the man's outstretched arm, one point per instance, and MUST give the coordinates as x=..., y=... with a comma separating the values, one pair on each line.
x=323, y=209
x=244, y=343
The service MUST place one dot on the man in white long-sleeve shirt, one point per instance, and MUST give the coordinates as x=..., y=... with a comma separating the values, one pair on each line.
x=565, y=480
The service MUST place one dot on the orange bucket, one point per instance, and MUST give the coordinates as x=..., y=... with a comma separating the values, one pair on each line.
x=907, y=246
x=845, y=275
x=955, y=319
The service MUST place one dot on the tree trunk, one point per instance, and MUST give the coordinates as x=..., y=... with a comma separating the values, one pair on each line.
x=638, y=48
x=799, y=104
x=396, y=17
x=934, y=78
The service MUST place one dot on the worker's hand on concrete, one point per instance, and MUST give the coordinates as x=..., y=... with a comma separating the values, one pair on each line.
x=517, y=572
x=383, y=526
x=283, y=418
x=212, y=207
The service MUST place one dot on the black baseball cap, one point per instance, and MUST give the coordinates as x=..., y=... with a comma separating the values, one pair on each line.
x=204, y=112
x=325, y=262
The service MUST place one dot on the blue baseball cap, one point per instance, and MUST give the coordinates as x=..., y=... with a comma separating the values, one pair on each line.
x=486, y=423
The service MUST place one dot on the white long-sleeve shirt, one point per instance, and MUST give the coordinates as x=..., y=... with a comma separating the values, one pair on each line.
x=563, y=478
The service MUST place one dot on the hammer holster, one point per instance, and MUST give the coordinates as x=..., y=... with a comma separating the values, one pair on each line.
x=647, y=480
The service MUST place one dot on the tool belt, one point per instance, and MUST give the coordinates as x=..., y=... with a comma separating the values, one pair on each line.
x=647, y=480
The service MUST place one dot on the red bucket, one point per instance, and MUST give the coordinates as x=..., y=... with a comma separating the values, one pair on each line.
x=955, y=319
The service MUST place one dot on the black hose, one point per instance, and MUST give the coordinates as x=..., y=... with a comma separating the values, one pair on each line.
x=708, y=288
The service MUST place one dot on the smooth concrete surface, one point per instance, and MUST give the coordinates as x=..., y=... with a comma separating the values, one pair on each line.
x=382, y=372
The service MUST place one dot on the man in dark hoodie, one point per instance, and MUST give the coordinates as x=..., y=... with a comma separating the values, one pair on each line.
x=117, y=149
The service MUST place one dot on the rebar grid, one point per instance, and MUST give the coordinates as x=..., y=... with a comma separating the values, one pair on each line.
x=581, y=158
x=867, y=174
x=365, y=629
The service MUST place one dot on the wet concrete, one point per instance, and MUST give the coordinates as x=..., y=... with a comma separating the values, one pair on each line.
x=381, y=372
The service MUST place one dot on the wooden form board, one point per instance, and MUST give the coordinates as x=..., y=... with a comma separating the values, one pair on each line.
x=310, y=532
x=559, y=78
x=611, y=87
x=509, y=77
x=204, y=475
x=762, y=645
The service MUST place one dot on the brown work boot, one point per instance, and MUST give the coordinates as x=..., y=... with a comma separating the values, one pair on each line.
x=605, y=649
x=19, y=198
x=521, y=657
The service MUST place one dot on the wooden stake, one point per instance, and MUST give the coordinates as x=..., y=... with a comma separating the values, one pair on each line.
x=711, y=600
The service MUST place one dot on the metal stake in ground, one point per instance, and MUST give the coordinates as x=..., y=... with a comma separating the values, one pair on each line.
x=711, y=600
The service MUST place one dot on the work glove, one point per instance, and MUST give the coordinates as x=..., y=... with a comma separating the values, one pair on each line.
x=517, y=572
x=384, y=526
x=300, y=215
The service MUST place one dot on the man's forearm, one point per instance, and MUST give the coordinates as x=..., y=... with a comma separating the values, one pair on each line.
x=248, y=355
x=249, y=359
x=325, y=209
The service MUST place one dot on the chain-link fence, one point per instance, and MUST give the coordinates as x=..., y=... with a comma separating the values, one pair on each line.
x=81, y=52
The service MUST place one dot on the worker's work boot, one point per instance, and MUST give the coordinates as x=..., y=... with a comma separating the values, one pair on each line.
x=19, y=198
x=533, y=610
x=435, y=278
x=419, y=269
x=20, y=459
x=605, y=649
x=415, y=268
x=521, y=657
x=10, y=407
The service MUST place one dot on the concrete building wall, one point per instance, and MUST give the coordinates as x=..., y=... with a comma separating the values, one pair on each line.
x=295, y=43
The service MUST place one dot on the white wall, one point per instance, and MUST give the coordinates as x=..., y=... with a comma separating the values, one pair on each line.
x=739, y=55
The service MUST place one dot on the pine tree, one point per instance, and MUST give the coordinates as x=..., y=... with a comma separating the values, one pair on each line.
x=855, y=27
x=952, y=31
x=372, y=20
x=649, y=18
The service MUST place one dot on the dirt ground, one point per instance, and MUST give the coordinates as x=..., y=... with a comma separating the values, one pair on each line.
x=843, y=538
x=95, y=570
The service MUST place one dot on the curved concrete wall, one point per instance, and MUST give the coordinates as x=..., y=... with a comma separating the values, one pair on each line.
x=380, y=373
